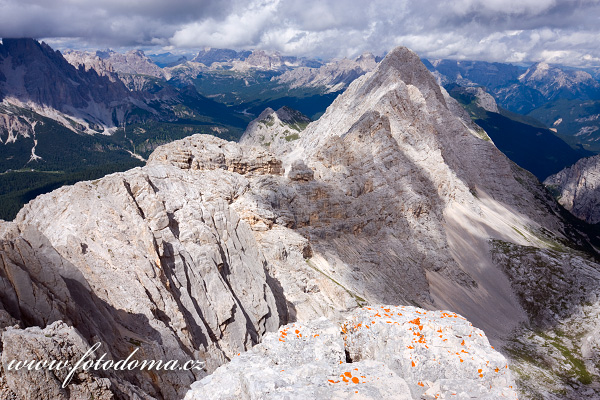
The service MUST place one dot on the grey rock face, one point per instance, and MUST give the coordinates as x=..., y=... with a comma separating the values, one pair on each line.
x=90, y=61
x=35, y=73
x=60, y=343
x=134, y=62
x=379, y=353
x=132, y=68
x=300, y=172
x=578, y=188
x=154, y=257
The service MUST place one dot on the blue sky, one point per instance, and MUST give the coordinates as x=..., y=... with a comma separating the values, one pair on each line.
x=565, y=32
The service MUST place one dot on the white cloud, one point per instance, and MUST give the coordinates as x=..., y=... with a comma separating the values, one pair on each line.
x=493, y=30
x=243, y=27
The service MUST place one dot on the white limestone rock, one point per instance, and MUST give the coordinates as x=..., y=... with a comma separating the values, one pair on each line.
x=207, y=152
x=154, y=256
x=438, y=353
x=378, y=353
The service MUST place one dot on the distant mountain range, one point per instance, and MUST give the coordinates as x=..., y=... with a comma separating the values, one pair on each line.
x=564, y=99
x=524, y=140
x=93, y=112
x=61, y=122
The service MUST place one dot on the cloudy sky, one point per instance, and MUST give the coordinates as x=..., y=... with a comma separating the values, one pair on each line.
x=558, y=31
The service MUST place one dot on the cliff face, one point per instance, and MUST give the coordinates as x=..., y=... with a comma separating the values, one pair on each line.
x=133, y=68
x=40, y=80
x=416, y=192
x=392, y=197
x=147, y=258
x=578, y=188
x=36, y=73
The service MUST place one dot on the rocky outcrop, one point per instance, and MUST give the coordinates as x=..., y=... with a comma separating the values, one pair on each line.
x=577, y=188
x=204, y=152
x=275, y=130
x=59, y=343
x=381, y=352
x=155, y=258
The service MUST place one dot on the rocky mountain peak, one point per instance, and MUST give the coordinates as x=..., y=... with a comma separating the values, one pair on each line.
x=275, y=130
x=134, y=62
x=395, y=76
x=26, y=51
x=554, y=82
x=90, y=61
x=367, y=61
x=208, y=56
x=409, y=68
x=539, y=71
x=291, y=116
